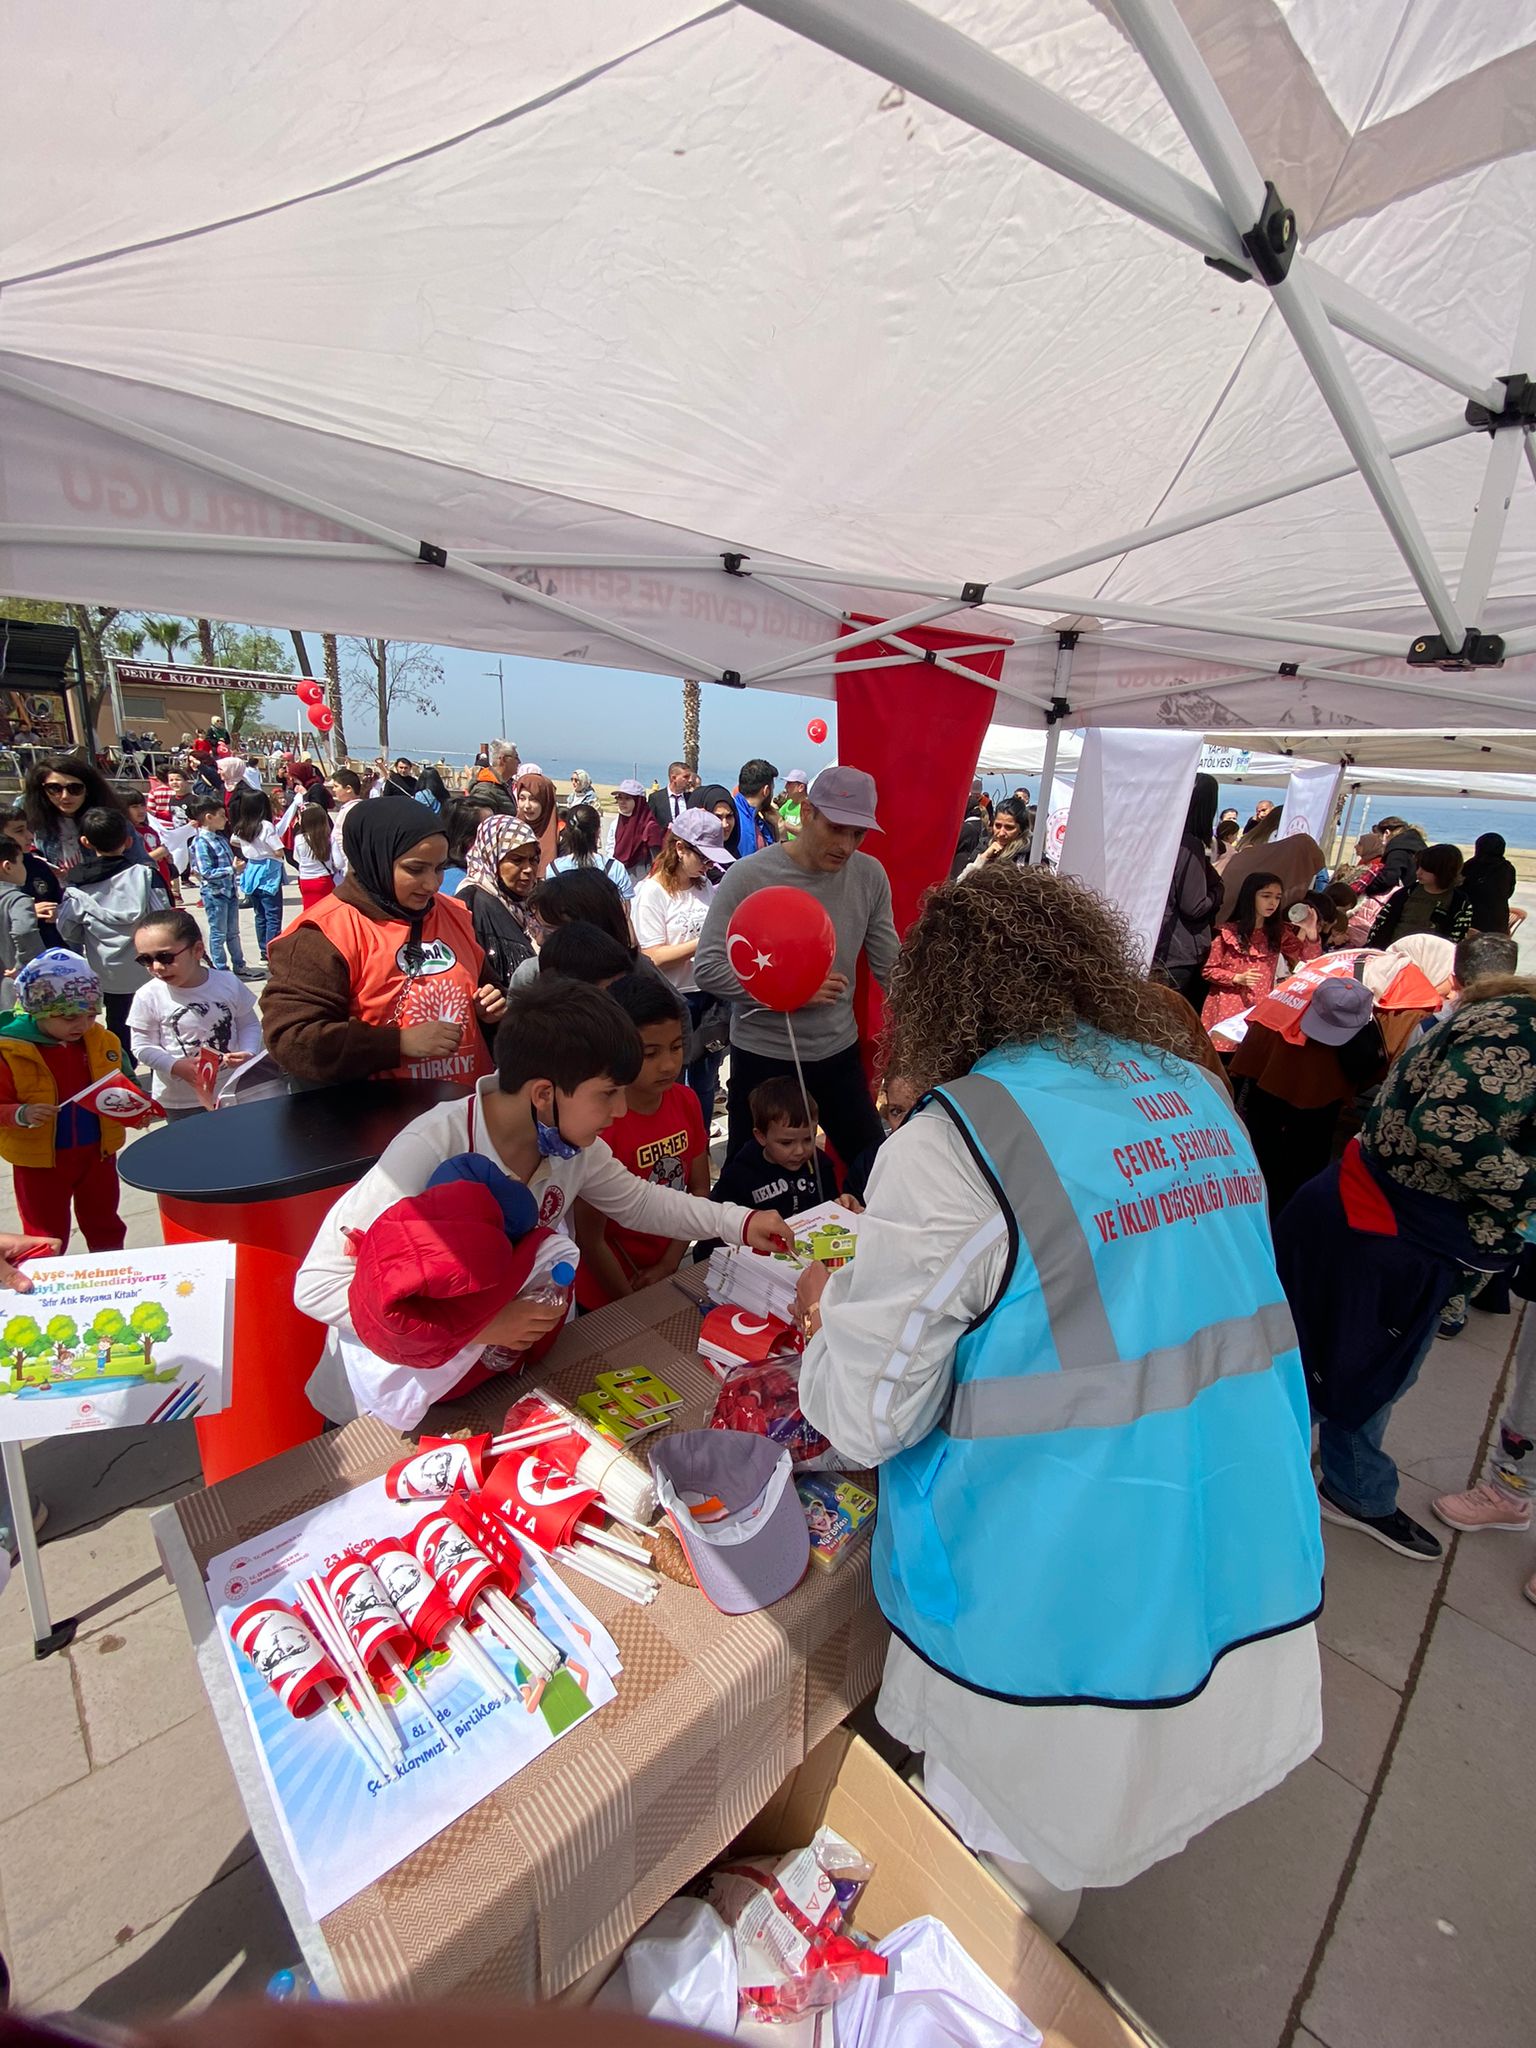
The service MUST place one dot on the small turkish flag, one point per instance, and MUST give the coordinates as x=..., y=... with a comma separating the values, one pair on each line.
x=118, y=1098
x=208, y=1066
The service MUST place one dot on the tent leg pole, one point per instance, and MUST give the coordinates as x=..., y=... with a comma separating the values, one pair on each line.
x=1043, y=806
x=47, y=1636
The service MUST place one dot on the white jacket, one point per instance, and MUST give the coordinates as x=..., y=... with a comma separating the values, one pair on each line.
x=325, y=1278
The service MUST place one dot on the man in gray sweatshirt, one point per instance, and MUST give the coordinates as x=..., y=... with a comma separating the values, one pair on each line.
x=824, y=860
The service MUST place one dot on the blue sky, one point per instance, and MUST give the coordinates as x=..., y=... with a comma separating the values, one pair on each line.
x=564, y=715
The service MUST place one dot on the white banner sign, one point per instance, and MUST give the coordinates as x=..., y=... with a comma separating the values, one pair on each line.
x=1128, y=813
x=1224, y=760
x=1309, y=800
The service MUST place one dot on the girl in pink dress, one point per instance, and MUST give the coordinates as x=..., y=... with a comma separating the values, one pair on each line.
x=1246, y=952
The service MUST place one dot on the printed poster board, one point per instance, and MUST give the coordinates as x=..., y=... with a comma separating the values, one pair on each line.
x=346, y=1823
x=113, y=1340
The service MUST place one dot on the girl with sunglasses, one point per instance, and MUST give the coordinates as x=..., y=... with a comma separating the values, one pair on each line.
x=186, y=1008
x=54, y=796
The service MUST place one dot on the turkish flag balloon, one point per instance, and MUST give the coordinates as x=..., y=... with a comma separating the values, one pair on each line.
x=816, y=731
x=310, y=692
x=321, y=717
x=781, y=946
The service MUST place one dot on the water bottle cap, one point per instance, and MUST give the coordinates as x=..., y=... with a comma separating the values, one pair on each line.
x=562, y=1273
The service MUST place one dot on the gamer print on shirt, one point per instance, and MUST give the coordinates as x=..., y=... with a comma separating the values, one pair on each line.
x=662, y=1162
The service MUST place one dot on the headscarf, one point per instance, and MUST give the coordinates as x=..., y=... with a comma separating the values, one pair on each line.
x=638, y=836
x=57, y=984
x=497, y=836
x=1435, y=955
x=546, y=830
x=231, y=770
x=373, y=837
x=705, y=799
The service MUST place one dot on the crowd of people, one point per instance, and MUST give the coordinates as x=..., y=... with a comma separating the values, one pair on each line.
x=1130, y=1233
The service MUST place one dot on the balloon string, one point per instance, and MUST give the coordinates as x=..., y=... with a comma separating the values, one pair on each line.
x=805, y=1097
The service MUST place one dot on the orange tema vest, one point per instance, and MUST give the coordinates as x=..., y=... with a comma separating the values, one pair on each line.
x=384, y=992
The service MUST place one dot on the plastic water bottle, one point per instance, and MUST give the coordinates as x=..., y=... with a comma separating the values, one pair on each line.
x=558, y=1289
x=292, y=1986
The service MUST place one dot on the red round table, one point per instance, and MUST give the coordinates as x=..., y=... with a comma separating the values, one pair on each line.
x=264, y=1175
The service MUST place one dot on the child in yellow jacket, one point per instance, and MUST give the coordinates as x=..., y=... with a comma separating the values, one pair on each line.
x=51, y=1047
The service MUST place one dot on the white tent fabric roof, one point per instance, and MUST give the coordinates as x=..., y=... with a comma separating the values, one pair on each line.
x=1006, y=750
x=589, y=298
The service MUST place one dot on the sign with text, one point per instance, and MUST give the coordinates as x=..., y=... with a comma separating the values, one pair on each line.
x=138, y=675
x=108, y=1340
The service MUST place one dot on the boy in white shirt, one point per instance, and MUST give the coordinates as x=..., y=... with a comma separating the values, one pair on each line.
x=565, y=1053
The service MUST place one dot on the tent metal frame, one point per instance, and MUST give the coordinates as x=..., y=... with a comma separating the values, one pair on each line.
x=1239, y=225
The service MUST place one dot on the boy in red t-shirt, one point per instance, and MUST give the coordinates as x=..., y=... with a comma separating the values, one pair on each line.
x=660, y=1138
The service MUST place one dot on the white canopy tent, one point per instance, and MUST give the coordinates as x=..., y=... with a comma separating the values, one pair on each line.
x=663, y=335
x=1007, y=750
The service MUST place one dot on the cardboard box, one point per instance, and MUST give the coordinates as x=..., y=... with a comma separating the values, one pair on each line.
x=921, y=1867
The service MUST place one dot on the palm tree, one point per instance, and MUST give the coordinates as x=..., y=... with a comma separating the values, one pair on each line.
x=168, y=635
x=205, y=642
x=691, y=696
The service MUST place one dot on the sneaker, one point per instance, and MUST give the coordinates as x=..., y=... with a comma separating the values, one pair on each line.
x=1484, y=1506
x=8, y=1532
x=1529, y=1589
x=250, y=973
x=1397, y=1531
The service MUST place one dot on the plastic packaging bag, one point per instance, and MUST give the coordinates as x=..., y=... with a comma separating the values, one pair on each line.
x=764, y=1400
x=787, y=1915
x=681, y=1966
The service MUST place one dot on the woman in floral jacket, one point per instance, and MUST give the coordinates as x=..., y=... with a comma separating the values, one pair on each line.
x=1440, y=1184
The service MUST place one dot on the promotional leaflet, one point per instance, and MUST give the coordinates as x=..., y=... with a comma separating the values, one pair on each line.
x=113, y=1339
x=346, y=1821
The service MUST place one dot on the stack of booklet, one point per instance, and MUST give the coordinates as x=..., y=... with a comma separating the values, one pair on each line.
x=765, y=1284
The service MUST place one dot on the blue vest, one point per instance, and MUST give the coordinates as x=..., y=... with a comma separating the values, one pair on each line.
x=1120, y=1489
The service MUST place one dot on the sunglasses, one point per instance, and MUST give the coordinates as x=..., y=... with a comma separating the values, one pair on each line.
x=161, y=959
x=65, y=788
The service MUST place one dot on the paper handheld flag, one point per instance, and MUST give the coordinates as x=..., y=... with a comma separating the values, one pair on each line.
x=541, y=1500
x=421, y=1602
x=116, y=1097
x=279, y=1643
x=460, y=1567
x=207, y=1067
x=369, y=1616
x=441, y=1466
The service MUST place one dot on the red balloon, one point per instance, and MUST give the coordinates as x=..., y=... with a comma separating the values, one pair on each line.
x=787, y=947
x=816, y=731
x=310, y=692
x=321, y=717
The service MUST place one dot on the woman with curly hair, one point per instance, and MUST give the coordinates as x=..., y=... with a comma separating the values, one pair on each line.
x=1064, y=1342
x=1439, y=1187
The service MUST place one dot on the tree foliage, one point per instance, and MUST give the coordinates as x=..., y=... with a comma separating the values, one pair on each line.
x=392, y=675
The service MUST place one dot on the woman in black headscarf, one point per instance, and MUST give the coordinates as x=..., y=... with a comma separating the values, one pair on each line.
x=1489, y=880
x=383, y=978
x=1194, y=896
x=714, y=796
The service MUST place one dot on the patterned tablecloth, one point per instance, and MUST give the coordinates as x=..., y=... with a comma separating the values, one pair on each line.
x=551, y=1874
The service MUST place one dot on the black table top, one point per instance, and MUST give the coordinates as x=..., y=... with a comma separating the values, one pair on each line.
x=284, y=1145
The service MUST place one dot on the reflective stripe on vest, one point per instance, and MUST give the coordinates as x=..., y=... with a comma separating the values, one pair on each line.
x=1094, y=1388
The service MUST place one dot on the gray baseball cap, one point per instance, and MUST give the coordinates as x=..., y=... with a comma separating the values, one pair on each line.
x=1340, y=1007
x=845, y=796
x=731, y=1501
